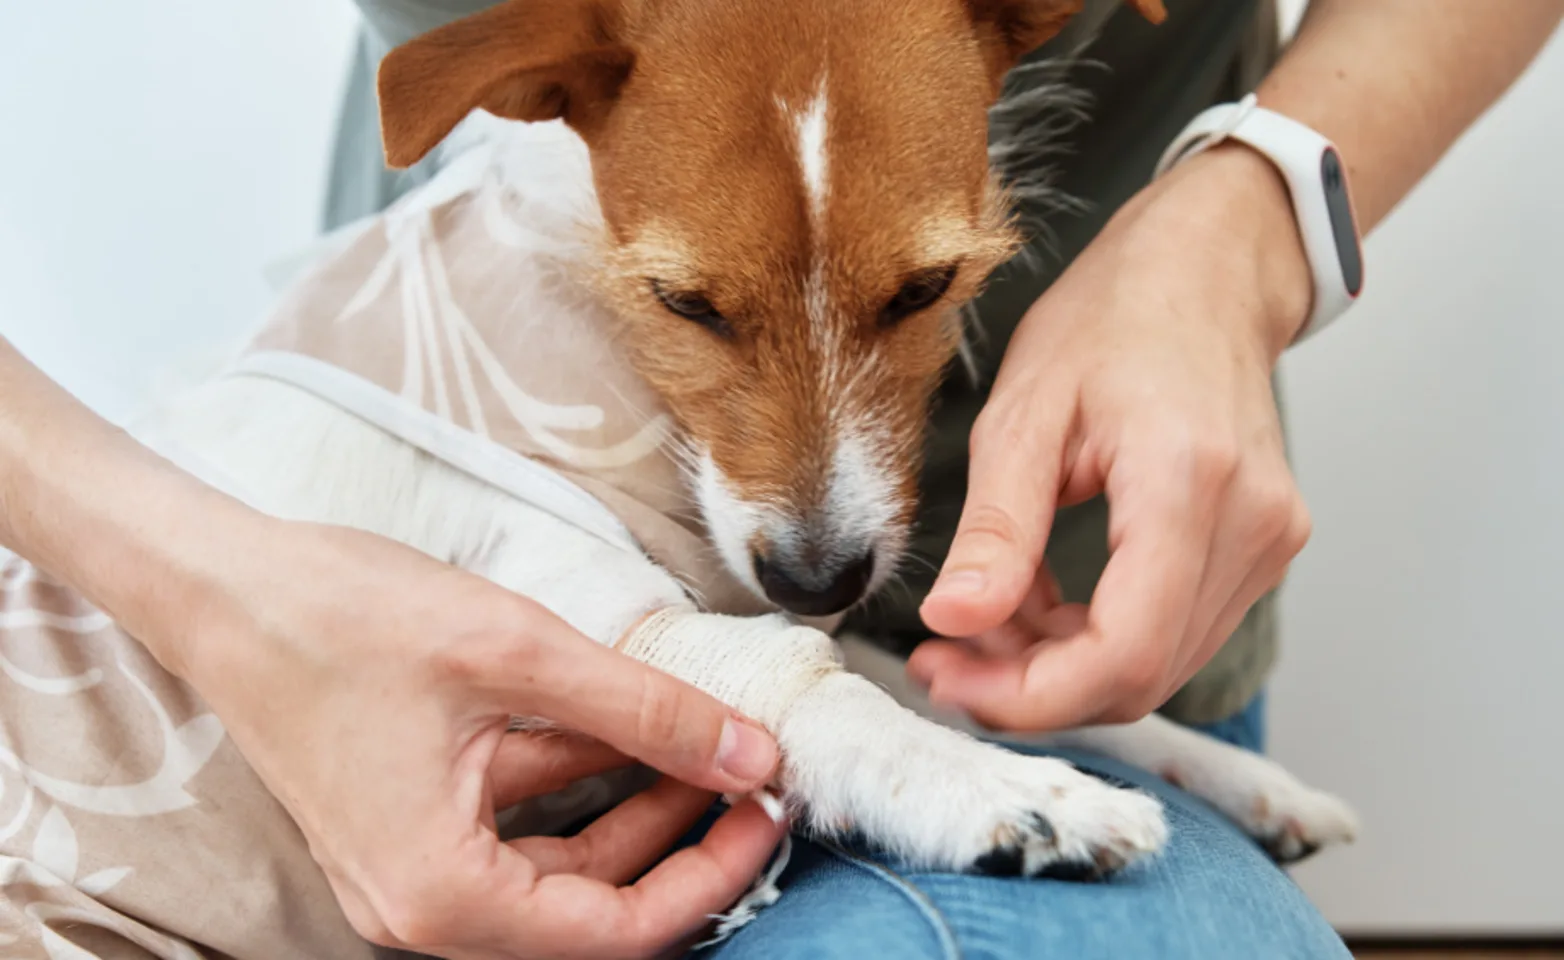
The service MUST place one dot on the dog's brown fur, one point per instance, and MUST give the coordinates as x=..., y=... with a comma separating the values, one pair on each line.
x=690, y=111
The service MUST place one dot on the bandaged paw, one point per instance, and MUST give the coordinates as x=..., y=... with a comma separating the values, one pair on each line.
x=760, y=666
x=856, y=761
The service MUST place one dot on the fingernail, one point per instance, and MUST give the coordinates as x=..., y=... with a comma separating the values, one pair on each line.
x=745, y=752
x=958, y=583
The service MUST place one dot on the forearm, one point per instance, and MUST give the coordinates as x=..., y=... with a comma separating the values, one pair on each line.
x=82, y=499
x=1394, y=82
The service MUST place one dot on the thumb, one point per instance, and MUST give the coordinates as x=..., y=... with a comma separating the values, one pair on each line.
x=635, y=709
x=1012, y=491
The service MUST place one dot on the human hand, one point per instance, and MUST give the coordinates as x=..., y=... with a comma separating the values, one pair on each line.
x=371, y=687
x=1143, y=374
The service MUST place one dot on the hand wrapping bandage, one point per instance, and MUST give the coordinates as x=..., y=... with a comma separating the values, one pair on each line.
x=759, y=666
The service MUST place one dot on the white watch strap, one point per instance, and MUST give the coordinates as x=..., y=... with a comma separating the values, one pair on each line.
x=1317, y=182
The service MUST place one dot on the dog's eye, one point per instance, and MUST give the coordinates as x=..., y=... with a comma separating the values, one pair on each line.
x=693, y=306
x=916, y=294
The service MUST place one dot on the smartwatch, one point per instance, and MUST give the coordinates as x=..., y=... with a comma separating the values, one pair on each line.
x=1317, y=182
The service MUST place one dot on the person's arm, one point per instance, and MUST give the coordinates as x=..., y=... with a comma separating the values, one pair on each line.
x=1394, y=82
x=80, y=498
x=1144, y=374
x=299, y=634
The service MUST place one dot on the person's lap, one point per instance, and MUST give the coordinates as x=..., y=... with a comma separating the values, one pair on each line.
x=1211, y=895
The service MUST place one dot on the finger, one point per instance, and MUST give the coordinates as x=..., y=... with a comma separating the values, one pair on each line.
x=1045, y=595
x=1161, y=529
x=1064, y=683
x=950, y=670
x=672, y=902
x=532, y=764
x=1028, y=626
x=998, y=693
x=640, y=711
x=1266, y=576
x=1259, y=530
x=616, y=847
x=931, y=658
x=1119, y=665
x=1065, y=620
x=1012, y=487
x=1007, y=641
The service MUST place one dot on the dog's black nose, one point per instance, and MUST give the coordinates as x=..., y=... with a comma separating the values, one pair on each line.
x=814, y=593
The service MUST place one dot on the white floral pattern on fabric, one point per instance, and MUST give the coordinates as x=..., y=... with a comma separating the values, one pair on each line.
x=123, y=805
x=438, y=334
x=458, y=322
x=121, y=802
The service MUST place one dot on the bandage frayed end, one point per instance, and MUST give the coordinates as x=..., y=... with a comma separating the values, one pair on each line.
x=765, y=800
x=765, y=891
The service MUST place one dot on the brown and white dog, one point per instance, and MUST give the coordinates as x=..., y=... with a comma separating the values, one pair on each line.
x=788, y=204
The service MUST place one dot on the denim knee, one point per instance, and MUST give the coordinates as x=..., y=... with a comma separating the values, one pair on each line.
x=839, y=906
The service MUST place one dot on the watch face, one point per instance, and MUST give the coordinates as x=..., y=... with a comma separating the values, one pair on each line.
x=1344, y=230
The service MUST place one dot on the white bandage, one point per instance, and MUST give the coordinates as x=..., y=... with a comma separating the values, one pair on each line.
x=759, y=666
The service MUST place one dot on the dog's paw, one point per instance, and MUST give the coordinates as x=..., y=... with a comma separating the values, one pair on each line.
x=1293, y=821
x=970, y=807
x=1288, y=818
x=934, y=798
x=1044, y=818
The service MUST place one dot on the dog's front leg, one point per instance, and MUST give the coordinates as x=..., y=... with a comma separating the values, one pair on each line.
x=852, y=758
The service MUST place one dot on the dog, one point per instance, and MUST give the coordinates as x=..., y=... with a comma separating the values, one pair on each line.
x=732, y=243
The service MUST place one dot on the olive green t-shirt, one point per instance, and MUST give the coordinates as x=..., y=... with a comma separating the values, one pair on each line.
x=1145, y=83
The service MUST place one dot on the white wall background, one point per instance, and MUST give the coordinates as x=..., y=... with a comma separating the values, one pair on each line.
x=1424, y=630
x=163, y=152
x=155, y=155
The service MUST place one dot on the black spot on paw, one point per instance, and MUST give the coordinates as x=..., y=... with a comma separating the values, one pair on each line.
x=1071, y=871
x=1286, y=850
x=1000, y=862
x=1104, y=864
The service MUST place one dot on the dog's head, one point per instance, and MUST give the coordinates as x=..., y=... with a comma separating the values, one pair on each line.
x=797, y=200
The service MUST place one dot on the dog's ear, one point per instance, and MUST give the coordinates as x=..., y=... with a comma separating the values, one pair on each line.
x=1011, y=29
x=523, y=60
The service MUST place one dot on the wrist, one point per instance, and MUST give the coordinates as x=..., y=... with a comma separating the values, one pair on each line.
x=1241, y=202
x=145, y=542
x=141, y=539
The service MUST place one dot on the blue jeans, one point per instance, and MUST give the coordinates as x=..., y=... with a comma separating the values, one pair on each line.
x=1212, y=895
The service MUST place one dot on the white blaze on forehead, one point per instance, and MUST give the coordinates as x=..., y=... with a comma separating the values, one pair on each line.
x=809, y=127
x=810, y=123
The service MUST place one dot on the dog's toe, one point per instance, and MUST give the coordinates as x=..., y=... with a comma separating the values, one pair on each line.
x=1287, y=818
x=1072, y=871
x=1298, y=831
x=1288, y=847
x=1085, y=830
x=1292, y=822
x=1006, y=861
